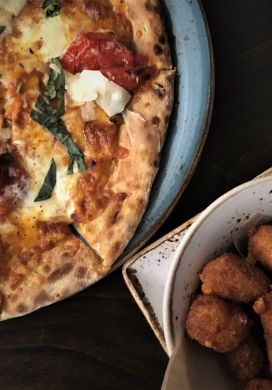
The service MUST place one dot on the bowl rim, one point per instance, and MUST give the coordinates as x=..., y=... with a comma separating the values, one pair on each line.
x=181, y=249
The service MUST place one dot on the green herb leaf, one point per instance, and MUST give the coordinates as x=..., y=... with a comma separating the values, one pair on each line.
x=51, y=8
x=48, y=184
x=49, y=118
x=2, y=29
x=56, y=85
x=51, y=86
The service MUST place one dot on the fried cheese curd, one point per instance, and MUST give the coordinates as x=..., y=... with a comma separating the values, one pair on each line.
x=260, y=245
x=246, y=361
x=259, y=384
x=216, y=324
x=232, y=278
x=263, y=307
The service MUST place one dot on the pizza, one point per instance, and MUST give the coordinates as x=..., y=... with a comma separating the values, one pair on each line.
x=86, y=91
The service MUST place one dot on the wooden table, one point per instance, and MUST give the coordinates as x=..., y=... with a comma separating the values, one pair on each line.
x=99, y=339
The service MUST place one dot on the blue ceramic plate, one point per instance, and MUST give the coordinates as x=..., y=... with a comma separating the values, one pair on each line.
x=192, y=56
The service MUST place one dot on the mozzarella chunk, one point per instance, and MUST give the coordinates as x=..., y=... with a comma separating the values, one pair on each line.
x=113, y=99
x=50, y=32
x=85, y=86
x=91, y=85
x=13, y=6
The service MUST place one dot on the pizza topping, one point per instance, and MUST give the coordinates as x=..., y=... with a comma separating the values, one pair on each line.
x=97, y=9
x=48, y=37
x=104, y=138
x=13, y=183
x=48, y=184
x=5, y=134
x=91, y=85
x=51, y=233
x=6, y=23
x=51, y=8
x=102, y=51
x=12, y=6
x=88, y=112
x=113, y=99
x=56, y=84
x=49, y=118
x=19, y=88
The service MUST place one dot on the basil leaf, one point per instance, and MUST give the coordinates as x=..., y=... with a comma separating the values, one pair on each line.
x=49, y=118
x=2, y=29
x=56, y=85
x=51, y=86
x=48, y=184
x=51, y=8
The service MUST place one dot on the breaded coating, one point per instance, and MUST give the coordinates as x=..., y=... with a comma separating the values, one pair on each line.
x=232, y=278
x=217, y=324
x=246, y=361
x=260, y=245
x=263, y=307
x=259, y=384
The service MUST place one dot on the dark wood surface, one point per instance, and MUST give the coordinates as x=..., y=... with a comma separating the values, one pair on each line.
x=99, y=339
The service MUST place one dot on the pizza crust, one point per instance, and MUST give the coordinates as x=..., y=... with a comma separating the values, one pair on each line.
x=143, y=135
x=155, y=101
x=71, y=265
x=148, y=31
x=62, y=271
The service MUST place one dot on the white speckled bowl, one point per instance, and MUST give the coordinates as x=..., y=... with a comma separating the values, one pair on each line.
x=209, y=236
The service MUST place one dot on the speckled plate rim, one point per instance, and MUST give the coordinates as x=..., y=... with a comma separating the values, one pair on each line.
x=136, y=289
x=198, y=151
x=171, y=279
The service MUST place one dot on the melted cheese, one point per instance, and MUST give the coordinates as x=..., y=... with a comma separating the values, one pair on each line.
x=61, y=204
x=13, y=6
x=5, y=20
x=49, y=32
x=91, y=85
x=31, y=41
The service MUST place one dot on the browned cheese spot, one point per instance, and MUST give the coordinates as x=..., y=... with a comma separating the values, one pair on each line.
x=158, y=50
x=151, y=7
x=159, y=90
x=41, y=299
x=117, y=246
x=21, y=308
x=156, y=163
x=162, y=39
x=12, y=297
x=141, y=202
x=60, y=273
x=155, y=120
x=46, y=269
x=81, y=272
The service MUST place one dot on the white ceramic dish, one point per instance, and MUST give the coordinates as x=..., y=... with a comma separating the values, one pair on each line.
x=210, y=235
x=145, y=275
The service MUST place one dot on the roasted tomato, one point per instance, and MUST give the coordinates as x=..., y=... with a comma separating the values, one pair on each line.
x=101, y=51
